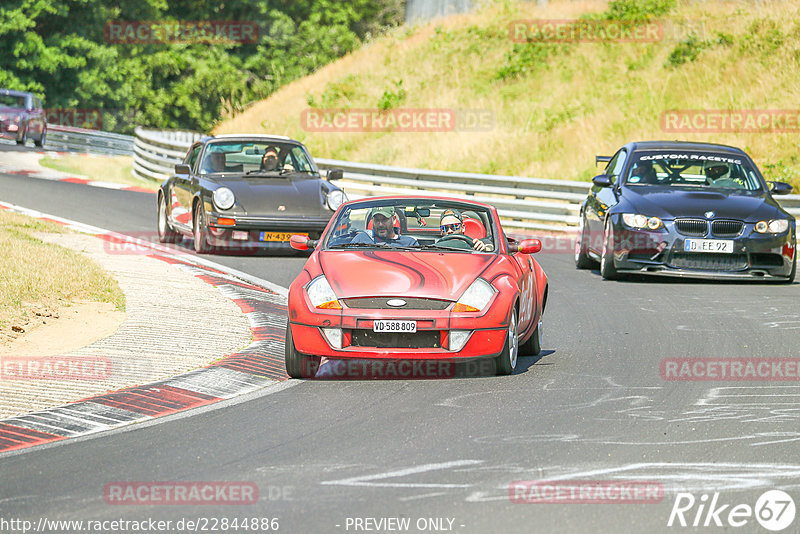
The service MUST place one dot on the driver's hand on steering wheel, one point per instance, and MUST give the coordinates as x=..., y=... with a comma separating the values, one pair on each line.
x=477, y=244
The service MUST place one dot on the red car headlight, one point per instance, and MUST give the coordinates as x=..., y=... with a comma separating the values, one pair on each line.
x=476, y=297
x=321, y=294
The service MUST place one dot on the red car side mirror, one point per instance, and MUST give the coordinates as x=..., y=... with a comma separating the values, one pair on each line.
x=529, y=246
x=301, y=242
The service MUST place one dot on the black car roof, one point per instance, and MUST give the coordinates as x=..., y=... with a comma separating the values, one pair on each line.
x=684, y=145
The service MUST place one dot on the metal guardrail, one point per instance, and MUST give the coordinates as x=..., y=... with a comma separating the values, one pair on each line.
x=82, y=140
x=155, y=152
x=523, y=203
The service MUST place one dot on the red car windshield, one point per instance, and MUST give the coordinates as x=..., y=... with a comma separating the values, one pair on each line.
x=414, y=224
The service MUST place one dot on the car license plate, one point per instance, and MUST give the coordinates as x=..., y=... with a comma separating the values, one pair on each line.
x=721, y=246
x=278, y=236
x=381, y=325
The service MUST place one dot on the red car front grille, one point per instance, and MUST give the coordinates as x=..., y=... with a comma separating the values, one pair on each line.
x=422, y=339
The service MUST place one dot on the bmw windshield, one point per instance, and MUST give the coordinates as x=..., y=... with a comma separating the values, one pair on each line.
x=700, y=170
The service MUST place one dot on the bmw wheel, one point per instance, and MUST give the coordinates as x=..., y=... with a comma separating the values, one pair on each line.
x=507, y=361
x=607, y=269
x=582, y=259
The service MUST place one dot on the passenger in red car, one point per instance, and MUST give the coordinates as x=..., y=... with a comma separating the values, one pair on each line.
x=451, y=225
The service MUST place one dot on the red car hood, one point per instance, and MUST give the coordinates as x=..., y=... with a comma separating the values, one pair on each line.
x=380, y=273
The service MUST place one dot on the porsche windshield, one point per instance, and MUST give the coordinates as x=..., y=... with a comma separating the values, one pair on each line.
x=425, y=225
x=257, y=158
x=693, y=170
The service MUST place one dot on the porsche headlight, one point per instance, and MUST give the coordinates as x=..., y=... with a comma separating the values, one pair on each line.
x=638, y=221
x=476, y=297
x=321, y=294
x=775, y=226
x=335, y=199
x=223, y=198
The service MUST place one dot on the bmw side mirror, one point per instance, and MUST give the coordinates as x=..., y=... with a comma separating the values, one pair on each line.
x=602, y=180
x=301, y=242
x=182, y=168
x=780, y=188
x=335, y=174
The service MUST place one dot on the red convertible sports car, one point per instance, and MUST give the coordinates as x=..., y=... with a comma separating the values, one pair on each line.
x=415, y=278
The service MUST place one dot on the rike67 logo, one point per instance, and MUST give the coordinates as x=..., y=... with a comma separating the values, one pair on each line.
x=774, y=510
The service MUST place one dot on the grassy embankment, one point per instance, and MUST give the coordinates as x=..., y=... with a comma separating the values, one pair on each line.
x=556, y=105
x=116, y=169
x=41, y=278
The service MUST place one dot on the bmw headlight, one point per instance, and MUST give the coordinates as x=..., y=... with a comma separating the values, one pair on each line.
x=775, y=226
x=335, y=199
x=476, y=297
x=638, y=221
x=321, y=294
x=223, y=198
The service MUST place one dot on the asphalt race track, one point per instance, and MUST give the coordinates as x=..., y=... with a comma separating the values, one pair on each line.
x=328, y=456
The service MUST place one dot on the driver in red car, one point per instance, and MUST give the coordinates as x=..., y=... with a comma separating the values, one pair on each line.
x=451, y=223
x=383, y=230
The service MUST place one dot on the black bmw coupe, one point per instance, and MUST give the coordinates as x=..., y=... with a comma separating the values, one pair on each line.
x=246, y=193
x=686, y=209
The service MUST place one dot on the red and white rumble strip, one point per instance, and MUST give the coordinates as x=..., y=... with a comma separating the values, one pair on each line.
x=258, y=365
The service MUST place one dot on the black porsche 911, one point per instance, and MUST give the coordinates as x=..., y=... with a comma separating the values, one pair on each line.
x=686, y=209
x=246, y=193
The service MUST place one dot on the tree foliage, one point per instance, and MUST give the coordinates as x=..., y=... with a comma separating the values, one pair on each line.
x=58, y=50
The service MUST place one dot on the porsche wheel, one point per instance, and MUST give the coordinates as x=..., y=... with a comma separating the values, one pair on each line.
x=607, y=269
x=299, y=365
x=200, y=232
x=533, y=346
x=507, y=361
x=165, y=233
x=582, y=259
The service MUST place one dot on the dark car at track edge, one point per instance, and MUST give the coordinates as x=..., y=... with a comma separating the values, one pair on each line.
x=22, y=117
x=246, y=193
x=686, y=209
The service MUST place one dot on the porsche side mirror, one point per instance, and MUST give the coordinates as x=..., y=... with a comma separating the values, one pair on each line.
x=182, y=168
x=335, y=174
x=602, y=180
x=526, y=246
x=301, y=242
x=780, y=188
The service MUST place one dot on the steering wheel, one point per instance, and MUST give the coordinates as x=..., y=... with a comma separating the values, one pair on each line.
x=457, y=236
